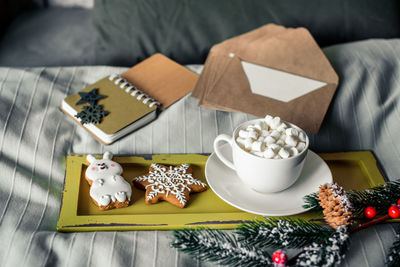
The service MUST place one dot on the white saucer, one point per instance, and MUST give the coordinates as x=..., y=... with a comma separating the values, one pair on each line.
x=227, y=185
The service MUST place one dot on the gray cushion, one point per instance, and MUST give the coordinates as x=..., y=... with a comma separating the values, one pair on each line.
x=132, y=30
x=49, y=37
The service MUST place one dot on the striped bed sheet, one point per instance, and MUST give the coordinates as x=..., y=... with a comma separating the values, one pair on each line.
x=35, y=137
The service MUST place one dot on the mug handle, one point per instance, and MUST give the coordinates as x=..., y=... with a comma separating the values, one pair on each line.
x=228, y=139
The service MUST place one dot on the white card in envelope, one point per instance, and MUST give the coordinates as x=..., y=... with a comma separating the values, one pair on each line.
x=276, y=84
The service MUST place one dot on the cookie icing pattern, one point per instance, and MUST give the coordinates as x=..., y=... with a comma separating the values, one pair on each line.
x=163, y=181
x=111, y=188
x=107, y=185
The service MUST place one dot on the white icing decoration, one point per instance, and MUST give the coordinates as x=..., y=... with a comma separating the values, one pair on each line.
x=172, y=180
x=107, y=155
x=90, y=158
x=104, y=200
x=103, y=167
x=114, y=186
x=99, y=182
x=120, y=196
x=107, y=184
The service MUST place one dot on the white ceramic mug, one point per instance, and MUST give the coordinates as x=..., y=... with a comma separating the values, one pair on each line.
x=261, y=174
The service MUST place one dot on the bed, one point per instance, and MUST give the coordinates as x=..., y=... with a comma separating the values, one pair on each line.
x=35, y=136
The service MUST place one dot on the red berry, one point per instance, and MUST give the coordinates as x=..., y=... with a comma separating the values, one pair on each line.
x=394, y=212
x=279, y=256
x=370, y=212
x=398, y=202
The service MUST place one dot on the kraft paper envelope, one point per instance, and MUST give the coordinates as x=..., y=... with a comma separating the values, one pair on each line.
x=282, y=73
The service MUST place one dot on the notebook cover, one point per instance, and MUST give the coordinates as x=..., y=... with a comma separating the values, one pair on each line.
x=158, y=76
x=123, y=109
x=162, y=79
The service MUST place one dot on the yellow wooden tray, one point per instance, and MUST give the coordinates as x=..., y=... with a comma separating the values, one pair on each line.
x=352, y=170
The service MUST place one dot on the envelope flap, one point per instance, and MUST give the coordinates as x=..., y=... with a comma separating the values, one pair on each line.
x=294, y=51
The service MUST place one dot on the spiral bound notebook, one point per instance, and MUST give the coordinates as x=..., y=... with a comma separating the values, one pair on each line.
x=119, y=104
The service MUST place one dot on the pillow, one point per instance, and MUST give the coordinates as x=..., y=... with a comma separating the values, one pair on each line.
x=132, y=30
x=10, y=9
x=49, y=37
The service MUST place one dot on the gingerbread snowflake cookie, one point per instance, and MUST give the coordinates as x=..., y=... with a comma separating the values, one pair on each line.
x=108, y=188
x=170, y=183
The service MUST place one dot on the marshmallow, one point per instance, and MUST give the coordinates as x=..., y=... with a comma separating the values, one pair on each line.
x=292, y=131
x=243, y=134
x=265, y=133
x=248, y=143
x=269, y=153
x=302, y=137
x=251, y=128
x=275, y=123
x=269, y=140
x=277, y=157
x=274, y=147
x=259, y=125
x=291, y=140
x=257, y=146
x=280, y=142
x=240, y=141
x=301, y=146
x=284, y=153
x=283, y=137
x=253, y=134
x=275, y=134
x=282, y=127
x=293, y=151
x=268, y=119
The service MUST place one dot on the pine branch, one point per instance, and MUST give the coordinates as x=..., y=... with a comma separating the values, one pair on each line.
x=324, y=246
x=394, y=252
x=217, y=246
x=380, y=197
x=312, y=202
x=328, y=253
x=282, y=233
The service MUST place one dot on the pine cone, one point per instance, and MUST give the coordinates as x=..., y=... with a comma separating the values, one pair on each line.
x=335, y=202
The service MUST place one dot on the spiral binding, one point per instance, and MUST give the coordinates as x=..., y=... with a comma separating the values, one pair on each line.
x=122, y=83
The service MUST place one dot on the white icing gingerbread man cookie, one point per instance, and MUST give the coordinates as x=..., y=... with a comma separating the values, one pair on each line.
x=108, y=188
